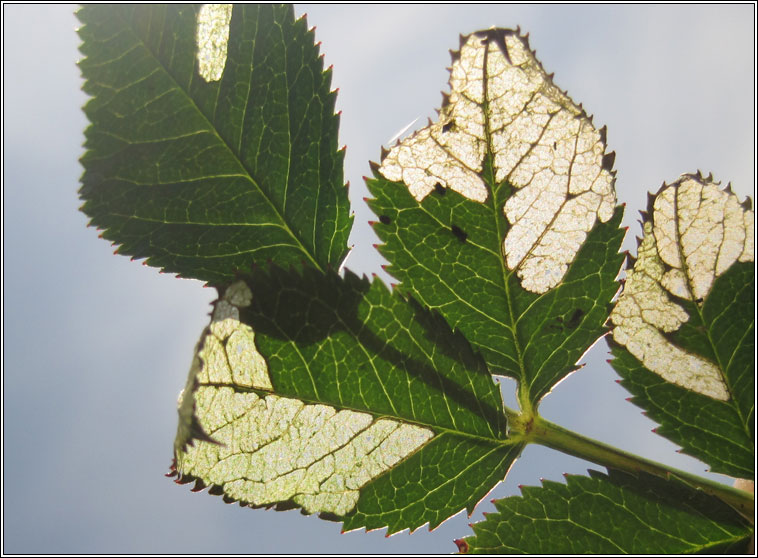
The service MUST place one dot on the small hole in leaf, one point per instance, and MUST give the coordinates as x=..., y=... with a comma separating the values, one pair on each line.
x=440, y=189
x=450, y=126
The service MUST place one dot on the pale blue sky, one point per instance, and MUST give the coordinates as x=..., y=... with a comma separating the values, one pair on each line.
x=96, y=348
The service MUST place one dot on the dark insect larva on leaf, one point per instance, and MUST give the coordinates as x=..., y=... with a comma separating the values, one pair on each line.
x=571, y=322
x=575, y=318
x=458, y=232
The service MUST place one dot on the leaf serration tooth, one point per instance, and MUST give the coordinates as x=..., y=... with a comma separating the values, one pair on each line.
x=216, y=490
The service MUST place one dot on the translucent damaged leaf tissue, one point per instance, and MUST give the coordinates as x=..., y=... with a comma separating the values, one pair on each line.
x=503, y=108
x=264, y=449
x=695, y=231
x=212, y=39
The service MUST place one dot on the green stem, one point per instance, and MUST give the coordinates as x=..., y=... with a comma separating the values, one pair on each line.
x=537, y=430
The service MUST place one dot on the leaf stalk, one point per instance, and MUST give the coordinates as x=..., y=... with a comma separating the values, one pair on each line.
x=535, y=429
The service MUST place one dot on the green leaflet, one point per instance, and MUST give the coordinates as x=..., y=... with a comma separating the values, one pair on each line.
x=684, y=327
x=321, y=390
x=500, y=215
x=612, y=514
x=204, y=176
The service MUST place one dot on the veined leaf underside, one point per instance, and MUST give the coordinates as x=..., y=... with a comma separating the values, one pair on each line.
x=207, y=166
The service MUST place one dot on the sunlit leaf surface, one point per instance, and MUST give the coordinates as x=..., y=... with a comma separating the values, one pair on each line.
x=323, y=390
x=212, y=152
x=684, y=325
x=501, y=214
x=503, y=106
x=613, y=514
x=213, y=138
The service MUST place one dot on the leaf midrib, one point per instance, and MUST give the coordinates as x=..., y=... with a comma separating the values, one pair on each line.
x=523, y=391
x=438, y=430
x=212, y=129
x=699, y=309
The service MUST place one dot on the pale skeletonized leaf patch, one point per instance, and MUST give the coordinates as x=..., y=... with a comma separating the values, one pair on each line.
x=212, y=38
x=694, y=232
x=503, y=105
x=266, y=449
